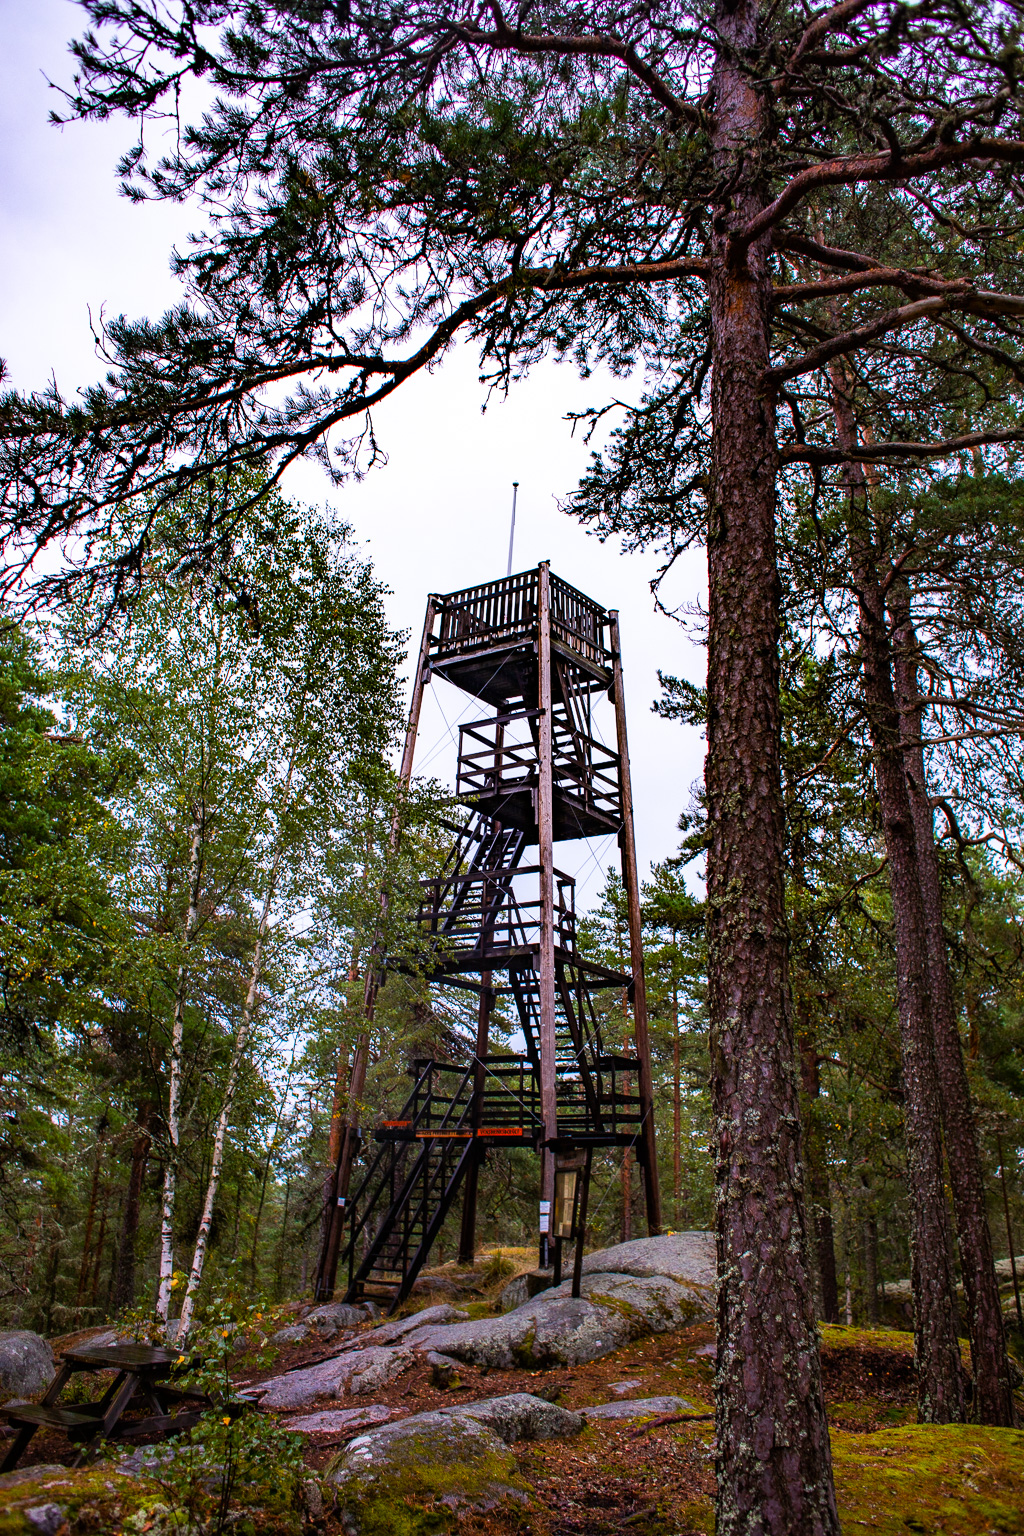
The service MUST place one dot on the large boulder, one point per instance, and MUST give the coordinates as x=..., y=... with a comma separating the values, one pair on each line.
x=548, y=1331
x=521, y=1416
x=653, y=1303
x=688, y=1257
x=351, y=1373
x=333, y=1317
x=26, y=1365
x=650, y=1286
x=406, y=1328
x=436, y=1461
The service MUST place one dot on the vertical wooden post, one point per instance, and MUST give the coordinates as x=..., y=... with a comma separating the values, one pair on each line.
x=546, y=955
x=327, y=1266
x=627, y=851
x=581, y=1223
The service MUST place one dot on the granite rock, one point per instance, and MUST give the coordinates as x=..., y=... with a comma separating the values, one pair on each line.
x=337, y=1420
x=330, y=1319
x=295, y=1333
x=351, y=1373
x=688, y=1257
x=435, y=1457
x=637, y=1408
x=547, y=1331
x=521, y=1416
x=26, y=1365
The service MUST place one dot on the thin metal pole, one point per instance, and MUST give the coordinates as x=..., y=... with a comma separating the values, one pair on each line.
x=512, y=532
x=627, y=849
x=546, y=954
x=327, y=1269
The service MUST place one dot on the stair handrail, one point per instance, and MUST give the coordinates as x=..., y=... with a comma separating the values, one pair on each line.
x=386, y=1149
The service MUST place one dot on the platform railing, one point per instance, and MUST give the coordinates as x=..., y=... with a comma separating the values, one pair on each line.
x=506, y=610
x=582, y=767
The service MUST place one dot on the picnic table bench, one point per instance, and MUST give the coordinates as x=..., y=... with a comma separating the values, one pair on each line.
x=141, y=1372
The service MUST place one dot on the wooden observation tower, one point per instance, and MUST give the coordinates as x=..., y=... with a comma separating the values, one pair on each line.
x=498, y=920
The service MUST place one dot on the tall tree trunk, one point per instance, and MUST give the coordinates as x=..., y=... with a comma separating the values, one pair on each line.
x=124, y=1281
x=94, y=1287
x=677, y=1104
x=774, y=1460
x=993, y=1390
x=195, y=870
x=265, y=1179
x=223, y=1119
x=87, y=1252
x=869, y=1252
x=819, y=1193
x=936, y=1347
x=348, y=1089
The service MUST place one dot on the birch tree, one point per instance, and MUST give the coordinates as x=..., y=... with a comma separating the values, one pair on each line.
x=324, y=715
x=255, y=700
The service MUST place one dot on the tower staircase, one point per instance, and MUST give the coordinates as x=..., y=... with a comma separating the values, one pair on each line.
x=531, y=774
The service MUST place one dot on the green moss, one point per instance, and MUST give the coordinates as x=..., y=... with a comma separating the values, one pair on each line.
x=868, y=1413
x=476, y=1309
x=835, y=1336
x=424, y=1482
x=522, y=1352
x=949, y=1478
x=86, y=1491
x=617, y=1304
x=695, y=1518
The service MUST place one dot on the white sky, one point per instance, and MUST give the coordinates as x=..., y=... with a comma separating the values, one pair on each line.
x=436, y=518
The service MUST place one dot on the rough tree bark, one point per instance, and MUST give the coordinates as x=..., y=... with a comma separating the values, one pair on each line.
x=677, y=1103
x=993, y=1390
x=774, y=1458
x=940, y=1389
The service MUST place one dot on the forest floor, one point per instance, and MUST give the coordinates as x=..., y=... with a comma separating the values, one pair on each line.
x=893, y=1476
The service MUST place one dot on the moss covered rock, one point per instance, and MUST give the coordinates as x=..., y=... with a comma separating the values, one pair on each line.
x=954, y=1478
x=406, y=1479
x=521, y=1416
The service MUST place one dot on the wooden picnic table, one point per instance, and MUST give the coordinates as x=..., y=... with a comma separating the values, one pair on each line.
x=141, y=1372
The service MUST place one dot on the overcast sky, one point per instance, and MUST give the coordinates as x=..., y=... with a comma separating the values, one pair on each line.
x=436, y=517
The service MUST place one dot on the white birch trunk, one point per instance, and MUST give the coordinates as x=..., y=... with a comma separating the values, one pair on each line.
x=217, y=1161
x=163, y=1300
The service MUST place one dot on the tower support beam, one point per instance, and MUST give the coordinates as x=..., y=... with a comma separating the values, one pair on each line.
x=546, y=955
x=631, y=881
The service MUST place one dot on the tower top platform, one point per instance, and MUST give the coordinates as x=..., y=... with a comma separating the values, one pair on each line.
x=482, y=638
